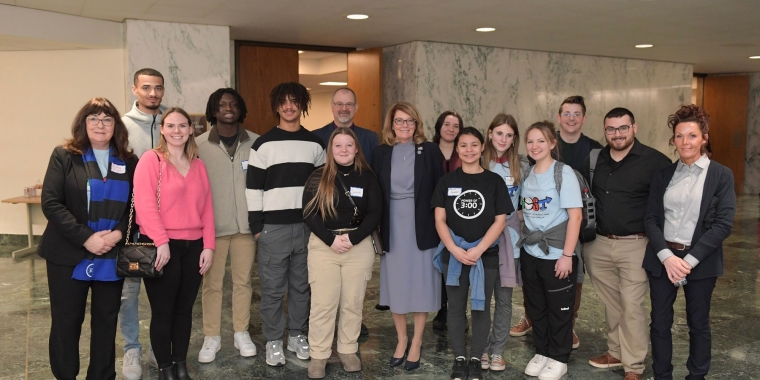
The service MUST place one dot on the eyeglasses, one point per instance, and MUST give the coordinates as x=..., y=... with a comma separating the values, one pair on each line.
x=94, y=120
x=402, y=121
x=612, y=130
x=340, y=105
x=575, y=115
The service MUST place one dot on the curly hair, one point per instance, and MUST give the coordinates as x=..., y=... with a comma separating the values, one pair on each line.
x=80, y=141
x=212, y=107
x=294, y=91
x=688, y=114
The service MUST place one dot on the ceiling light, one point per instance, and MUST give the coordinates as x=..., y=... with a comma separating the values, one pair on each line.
x=333, y=83
x=644, y=46
x=755, y=57
x=357, y=17
x=485, y=29
x=300, y=52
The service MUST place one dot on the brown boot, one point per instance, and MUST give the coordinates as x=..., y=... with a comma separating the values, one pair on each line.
x=351, y=362
x=317, y=368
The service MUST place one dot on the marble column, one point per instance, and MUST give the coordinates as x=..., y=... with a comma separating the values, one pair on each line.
x=752, y=162
x=480, y=82
x=194, y=60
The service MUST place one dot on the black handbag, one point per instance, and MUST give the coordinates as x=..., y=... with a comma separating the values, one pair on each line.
x=357, y=219
x=138, y=259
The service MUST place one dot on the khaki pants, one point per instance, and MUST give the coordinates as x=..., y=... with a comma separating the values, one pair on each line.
x=621, y=283
x=338, y=282
x=242, y=251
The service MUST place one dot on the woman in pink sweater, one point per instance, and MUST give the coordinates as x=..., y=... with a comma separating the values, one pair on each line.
x=178, y=218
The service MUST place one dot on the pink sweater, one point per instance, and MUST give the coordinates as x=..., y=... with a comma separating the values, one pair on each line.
x=187, y=212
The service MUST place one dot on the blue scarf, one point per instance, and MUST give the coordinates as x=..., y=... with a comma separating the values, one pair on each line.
x=108, y=202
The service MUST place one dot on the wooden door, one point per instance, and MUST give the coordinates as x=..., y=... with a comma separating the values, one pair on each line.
x=259, y=70
x=726, y=99
x=365, y=77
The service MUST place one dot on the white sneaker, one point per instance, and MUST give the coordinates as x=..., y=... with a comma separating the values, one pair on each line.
x=554, y=370
x=211, y=345
x=132, y=367
x=299, y=345
x=152, y=358
x=275, y=356
x=536, y=365
x=244, y=344
x=485, y=362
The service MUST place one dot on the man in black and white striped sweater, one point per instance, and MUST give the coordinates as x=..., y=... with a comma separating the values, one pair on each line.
x=280, y=162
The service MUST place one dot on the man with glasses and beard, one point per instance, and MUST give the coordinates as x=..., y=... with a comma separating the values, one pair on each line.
x=344, y=107
x=614, y=259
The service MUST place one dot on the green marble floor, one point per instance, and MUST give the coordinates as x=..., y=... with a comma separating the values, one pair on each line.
x=25, y=322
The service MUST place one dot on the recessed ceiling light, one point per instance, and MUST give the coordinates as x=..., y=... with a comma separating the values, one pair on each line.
x=300, y=52
x=333, y=83
x=485, y=30
x=755, y=57
x=644, y=46
x=358, y=17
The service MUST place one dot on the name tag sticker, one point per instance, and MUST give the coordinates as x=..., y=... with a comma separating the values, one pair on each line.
x=454, y=191
x=118, y=169
x=509, y=180
x=244, y=164
x=357, y=192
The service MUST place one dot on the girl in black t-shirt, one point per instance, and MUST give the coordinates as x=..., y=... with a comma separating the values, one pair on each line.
x=471, y=206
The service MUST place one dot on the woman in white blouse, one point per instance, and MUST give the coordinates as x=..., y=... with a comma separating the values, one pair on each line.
x=690, y=212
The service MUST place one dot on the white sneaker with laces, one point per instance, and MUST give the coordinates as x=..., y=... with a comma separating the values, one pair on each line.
x=132, y=367
x=275, y=356
x=536, y=365
x=300, y=345
x=485, y=362
x=244, y=344
x=211, y=345
x=554, y=370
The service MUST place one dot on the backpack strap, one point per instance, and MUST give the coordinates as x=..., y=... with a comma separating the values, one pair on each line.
x=558, y=165
x=593, y=158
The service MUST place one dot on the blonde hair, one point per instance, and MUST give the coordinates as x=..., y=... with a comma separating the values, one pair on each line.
x=489, y=154
x=191, y=148
x=388, y=136
x=325, y=195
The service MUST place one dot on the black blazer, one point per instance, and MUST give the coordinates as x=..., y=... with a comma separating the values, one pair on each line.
x=64, y=203
x=428, y=169
x=716, y=218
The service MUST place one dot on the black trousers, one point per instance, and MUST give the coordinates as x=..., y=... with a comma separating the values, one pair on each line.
x=457, y=314
x=663, y=293
x=68, y=302
x=549, y=303
x=171, y=299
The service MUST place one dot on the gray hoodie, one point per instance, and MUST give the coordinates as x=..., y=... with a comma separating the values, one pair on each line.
x=143, y=128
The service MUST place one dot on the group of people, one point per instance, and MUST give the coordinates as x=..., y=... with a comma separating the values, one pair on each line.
x=463, y=217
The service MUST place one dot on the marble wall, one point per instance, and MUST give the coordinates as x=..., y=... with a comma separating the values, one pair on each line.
x=194, y=60
x=480, y=82
x=752, y=162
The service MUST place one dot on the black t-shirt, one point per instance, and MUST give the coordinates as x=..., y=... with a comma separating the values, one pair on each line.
x=472, y=201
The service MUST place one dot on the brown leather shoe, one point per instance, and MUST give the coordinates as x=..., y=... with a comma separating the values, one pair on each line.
x=633, y=376
x=605, y=361
x=522, y=327
x=576, y=341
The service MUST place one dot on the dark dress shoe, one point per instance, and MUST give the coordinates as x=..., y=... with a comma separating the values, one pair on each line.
x=410, y=365
x=382, y=307
x=439, y=322
x=167, y=373
x=364, y=333
x=395, y=362
x=180, y=369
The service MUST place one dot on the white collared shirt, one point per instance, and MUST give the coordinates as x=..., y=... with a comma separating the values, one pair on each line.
x=682, y=201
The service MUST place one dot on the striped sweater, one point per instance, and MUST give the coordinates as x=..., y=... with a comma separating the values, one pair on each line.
x=279, y=164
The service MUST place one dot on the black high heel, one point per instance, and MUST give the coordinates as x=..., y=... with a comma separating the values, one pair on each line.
x=395, y=362
x=410, y=365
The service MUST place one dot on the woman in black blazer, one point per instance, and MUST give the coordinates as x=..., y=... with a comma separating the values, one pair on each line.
x=85, y=198
x=408, y=168
x=689, y=214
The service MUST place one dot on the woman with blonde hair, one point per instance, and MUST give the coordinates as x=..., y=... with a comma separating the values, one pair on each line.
x=408, y=168
x=174, y=211
x=500, y=156
x=342, y=206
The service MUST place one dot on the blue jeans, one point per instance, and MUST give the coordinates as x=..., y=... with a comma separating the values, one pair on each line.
x=128, y=318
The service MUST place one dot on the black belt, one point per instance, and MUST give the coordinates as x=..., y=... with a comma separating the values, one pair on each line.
x=342, y=231
x=677, y=246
